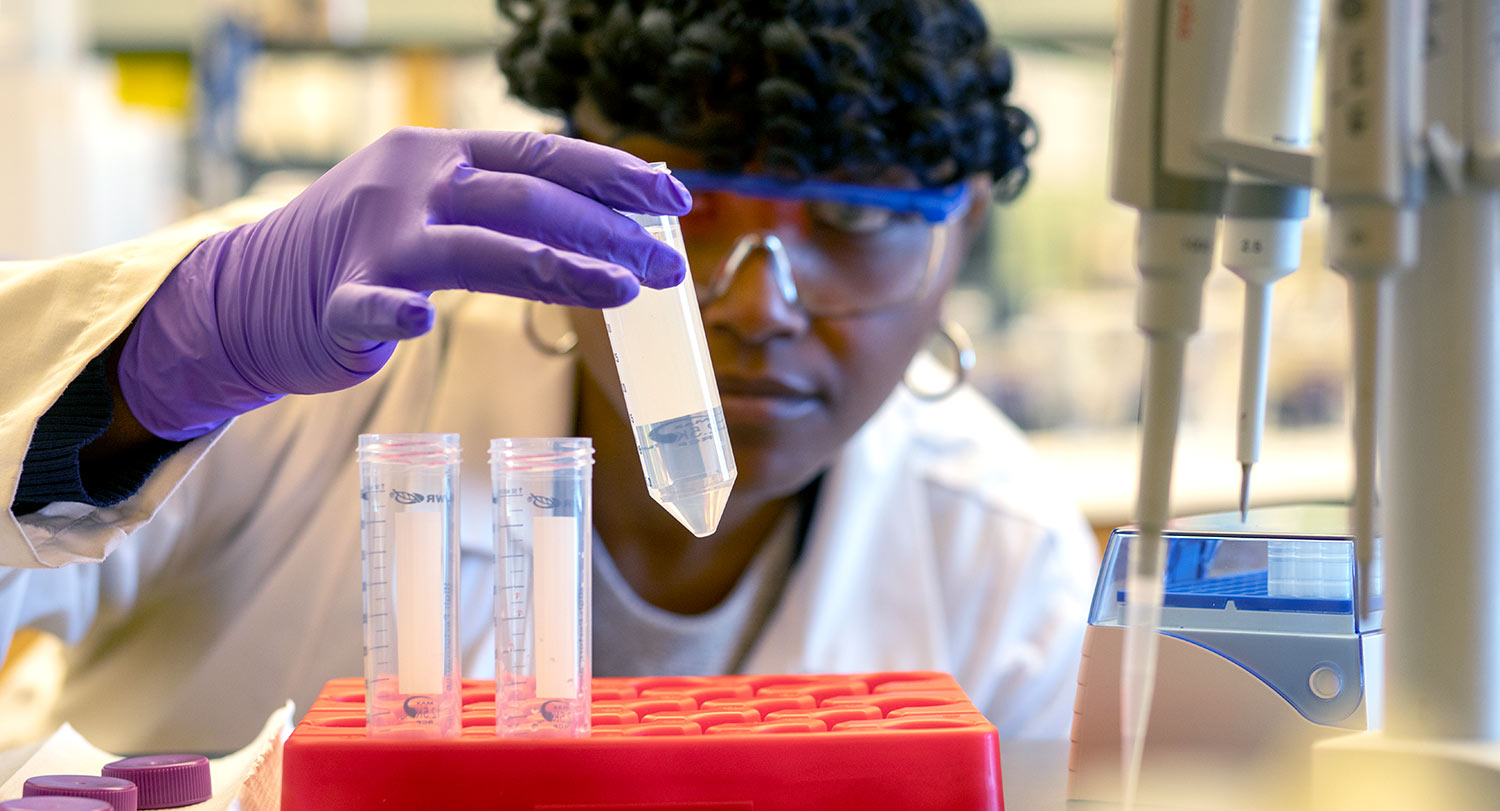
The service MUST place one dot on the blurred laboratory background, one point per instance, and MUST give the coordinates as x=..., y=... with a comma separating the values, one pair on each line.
x=122, y=116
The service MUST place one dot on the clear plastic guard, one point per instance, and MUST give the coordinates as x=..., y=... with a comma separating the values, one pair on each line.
x=1285, y=569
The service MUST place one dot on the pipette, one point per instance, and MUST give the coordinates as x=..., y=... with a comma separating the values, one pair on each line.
x=671, y=395
x=1267, y=129
x=1171, y=60
x=1373, y=185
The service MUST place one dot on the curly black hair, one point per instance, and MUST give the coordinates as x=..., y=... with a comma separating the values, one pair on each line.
x=807, y=87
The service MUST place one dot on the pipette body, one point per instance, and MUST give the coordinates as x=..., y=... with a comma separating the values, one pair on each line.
x=1268, y=107
x=1439, y=400
x=1171, y=59
x=1372, y=181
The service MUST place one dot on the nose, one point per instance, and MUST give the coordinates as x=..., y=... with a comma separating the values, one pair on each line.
x=752, y=293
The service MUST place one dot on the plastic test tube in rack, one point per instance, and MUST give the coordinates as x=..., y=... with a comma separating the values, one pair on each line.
x=542, y=497
x=408, y=522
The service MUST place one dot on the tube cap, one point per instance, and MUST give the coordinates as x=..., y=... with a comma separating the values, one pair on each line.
x=43, y=803
x=165, y=781
x=120, y=794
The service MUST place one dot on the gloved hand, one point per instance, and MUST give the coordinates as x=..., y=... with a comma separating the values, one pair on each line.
x=313, y=297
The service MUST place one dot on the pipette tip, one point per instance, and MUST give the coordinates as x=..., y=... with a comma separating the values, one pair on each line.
x=1244, y=491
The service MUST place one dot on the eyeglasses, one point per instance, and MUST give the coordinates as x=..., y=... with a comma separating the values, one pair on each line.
x=835, y=249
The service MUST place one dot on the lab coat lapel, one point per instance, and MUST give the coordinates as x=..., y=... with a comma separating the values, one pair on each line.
x=864, y=595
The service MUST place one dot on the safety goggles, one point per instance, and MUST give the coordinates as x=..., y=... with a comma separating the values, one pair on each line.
x=834, y=249
x=933, y=205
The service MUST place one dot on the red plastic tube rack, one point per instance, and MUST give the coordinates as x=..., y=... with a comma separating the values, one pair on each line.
x=898, y=740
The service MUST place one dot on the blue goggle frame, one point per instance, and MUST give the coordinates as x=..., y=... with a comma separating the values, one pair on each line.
x=933, y=205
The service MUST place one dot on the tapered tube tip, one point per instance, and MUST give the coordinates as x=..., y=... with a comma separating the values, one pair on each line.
x=700, y=511
x=1244, y=491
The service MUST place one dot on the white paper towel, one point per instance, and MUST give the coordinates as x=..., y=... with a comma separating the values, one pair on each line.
x=247, y=780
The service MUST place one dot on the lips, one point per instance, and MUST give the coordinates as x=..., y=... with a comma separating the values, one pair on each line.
x=769, y=387
x=767, y=399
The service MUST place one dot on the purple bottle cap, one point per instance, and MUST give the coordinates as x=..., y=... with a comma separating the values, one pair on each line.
x=165, y=781
x=43, y=803
x=120, y=794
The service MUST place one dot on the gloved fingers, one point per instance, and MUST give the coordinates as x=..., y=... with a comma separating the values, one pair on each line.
x=471, y=258
x=538, y=209
x=615, y=178
x=369, y=312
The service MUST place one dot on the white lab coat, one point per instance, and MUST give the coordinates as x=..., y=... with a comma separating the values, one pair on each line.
x=231, y=580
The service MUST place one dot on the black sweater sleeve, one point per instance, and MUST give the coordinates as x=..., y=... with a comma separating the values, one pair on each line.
x=51, y=470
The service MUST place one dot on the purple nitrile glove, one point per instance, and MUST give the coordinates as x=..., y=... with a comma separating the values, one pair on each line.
x=313, y=297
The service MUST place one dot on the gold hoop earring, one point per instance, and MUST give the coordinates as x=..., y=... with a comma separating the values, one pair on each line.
x=564, y=344
x=963, y=362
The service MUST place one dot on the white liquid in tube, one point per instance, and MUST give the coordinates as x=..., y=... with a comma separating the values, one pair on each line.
x=555, y=580
x=419, y=601
x=671, y=395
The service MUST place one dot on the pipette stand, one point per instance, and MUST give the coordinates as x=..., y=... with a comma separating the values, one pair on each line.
x=904, y=741
x=1439, y=748
x=1441, y=744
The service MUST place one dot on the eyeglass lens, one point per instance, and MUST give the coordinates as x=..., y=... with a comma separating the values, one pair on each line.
x=844, y=259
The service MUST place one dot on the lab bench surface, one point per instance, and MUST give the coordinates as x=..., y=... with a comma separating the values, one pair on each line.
x=1035, y=776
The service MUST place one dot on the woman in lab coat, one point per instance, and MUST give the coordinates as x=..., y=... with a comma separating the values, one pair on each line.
x=195, y=534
